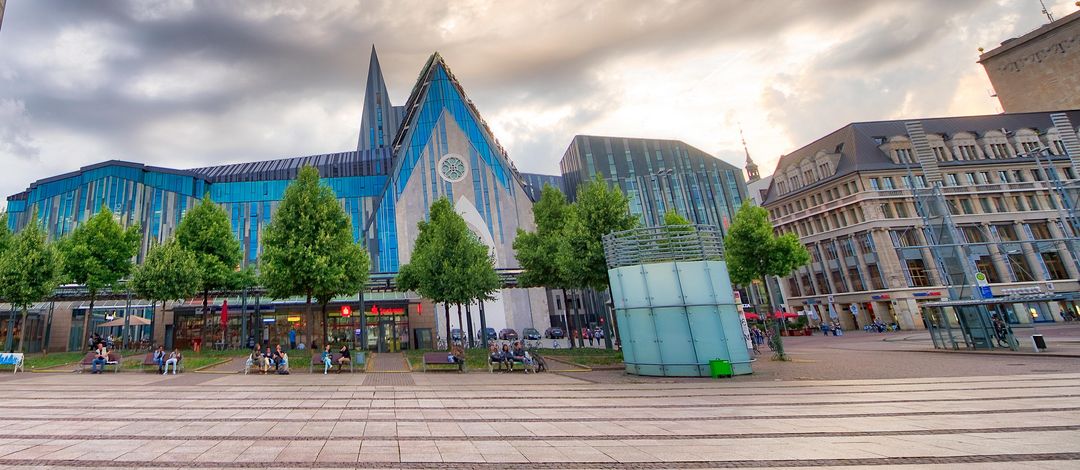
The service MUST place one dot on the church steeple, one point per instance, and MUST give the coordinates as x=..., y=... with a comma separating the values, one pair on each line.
x=752, y=173
x=379, y=122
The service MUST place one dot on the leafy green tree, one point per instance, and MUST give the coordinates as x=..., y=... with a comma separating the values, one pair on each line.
x=29, y=271
x=673, y=219
x=599, y=210
x=537, y=251
x=97, y=254
x=169, y=272
x=205, y=230
x=480, y=281
x=753, y=252
x=5, y=233
x=449, y=264
x=308, y=248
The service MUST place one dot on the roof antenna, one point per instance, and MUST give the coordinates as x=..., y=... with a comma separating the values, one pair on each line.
x=1046, y=12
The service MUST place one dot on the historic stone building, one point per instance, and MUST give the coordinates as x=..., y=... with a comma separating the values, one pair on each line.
x=848, y=197
x=1039, y=71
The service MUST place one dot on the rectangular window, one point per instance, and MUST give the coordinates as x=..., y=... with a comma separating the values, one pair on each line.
x=1036, y=174
x=838, y=281
x=1018, y=176
x=866, y=243
x=1039, y=231
x=1003, y=176
x=1006, y=233
x=920, y=181
x=901, y=210
x=1069, y=173
x=886, y=210
x=822, y=284
x=856, y=280
x=1029, y=147
x=950, y=180
x=999, y=203
x=876, y=281
x=966, y=205
x=1054, y=267
x=986, y=266
x=984, y=177
x=1059, y=148
x=905, y=238
x=874, y=184
x=887, y=182
x=1033, y=202
x=917, y=273
x=905, y=181
x=806, y=282
x=972, y=234
x=985, y=204
x=830, y=251
x=847, y=248
x=1020, y=268
x=969, y=178
x=1019, y=203
x=903, y=155
x=793, y=287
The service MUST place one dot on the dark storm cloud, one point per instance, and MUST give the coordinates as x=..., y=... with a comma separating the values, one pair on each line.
x=194, y=82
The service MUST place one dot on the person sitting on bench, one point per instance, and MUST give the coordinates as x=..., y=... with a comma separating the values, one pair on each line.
x=457, y=354
x=267, y=359
x=326, y=359
x=494, y=356
x=507, y=357
x=517, y=355
x=174, y=359
x=98, y=364
x=344, y=359
x=159, y=358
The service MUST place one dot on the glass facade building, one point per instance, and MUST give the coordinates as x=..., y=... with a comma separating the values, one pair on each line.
x=658, y=175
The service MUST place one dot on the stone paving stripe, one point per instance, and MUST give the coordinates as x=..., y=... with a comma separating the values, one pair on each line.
x=536, y=420
x=386, y=379
x=561, y=395
x=517, y=438
x=946, y=460
x=454, y=406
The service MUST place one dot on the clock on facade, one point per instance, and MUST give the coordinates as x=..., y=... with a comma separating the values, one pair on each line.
x=452, y=167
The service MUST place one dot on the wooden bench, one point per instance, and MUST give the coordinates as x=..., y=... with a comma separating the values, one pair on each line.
x=13, y=359
x=149, y=361
x=356, y=358
x=113, y=360
x=441, y=359
x=526, y=367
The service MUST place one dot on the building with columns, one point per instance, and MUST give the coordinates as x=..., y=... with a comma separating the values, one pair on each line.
x=1040, y=70
x=848, y=197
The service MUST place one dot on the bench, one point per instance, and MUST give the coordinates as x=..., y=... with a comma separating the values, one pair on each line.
x=249, y=364
x=13, y=359
x=441, y=359
x=149, y=361
x=113, y=360
x=356, y=358
x=526, y=367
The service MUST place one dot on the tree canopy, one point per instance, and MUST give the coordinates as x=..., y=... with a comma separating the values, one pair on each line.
x=169, y=272
x=29, y=270
x=599, y=210
x=753, y=251
x=206, y=232
x=97, y=254
x=535, y=251
x=308, y=248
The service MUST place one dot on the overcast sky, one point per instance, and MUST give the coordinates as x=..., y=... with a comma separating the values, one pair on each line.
x=188, y=83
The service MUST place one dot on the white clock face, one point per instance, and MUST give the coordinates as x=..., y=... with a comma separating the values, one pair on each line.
x=452, y=167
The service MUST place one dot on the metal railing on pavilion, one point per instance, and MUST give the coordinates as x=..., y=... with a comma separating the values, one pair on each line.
x=663, y=244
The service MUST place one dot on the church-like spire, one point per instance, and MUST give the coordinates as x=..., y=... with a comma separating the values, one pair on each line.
x=379, y=121
x=752, y=173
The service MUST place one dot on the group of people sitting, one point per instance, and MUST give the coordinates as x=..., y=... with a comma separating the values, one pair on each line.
x=507, y=356
x=264, y=359
x=328, y=358
x=163, y=361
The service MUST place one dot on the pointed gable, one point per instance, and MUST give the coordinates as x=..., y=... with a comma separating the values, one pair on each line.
x=380, y=119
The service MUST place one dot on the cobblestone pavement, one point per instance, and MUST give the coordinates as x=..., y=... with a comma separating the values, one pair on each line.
x=595, y=420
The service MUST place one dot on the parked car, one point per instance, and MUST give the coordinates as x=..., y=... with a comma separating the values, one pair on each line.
x=530, y=334
x=554, y=333
x=490, y=334
x=508, y=334
x=456, y=334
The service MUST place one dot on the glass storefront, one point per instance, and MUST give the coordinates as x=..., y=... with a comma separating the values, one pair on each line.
x=387, y=328
x=11, y=326
x=140, y=336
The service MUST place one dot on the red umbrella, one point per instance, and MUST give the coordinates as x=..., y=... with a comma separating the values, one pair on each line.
x=224, y=313
x=752, y=316
x=779, y=314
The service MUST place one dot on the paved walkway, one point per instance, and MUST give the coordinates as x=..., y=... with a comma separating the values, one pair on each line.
x=389, y=362
x=549, y=421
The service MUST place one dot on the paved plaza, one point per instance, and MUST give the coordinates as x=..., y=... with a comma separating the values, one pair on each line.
x=947, y=410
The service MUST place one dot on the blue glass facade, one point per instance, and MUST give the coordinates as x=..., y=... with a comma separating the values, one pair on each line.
x=658, y=176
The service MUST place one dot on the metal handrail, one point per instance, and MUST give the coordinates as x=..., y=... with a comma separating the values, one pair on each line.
x=663, y=244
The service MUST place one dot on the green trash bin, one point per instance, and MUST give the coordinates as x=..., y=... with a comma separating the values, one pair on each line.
x=720, y=367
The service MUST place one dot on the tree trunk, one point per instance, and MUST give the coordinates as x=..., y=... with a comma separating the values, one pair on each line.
x=325, y=320
x=777, y=340
x=86, y=318
x=9, y=338
x=577, y=319
x=569, y=322
x=468, y=319
x=22, y=332
x=205, y=317
x=309, y=317
x=459, y=324
x=446, y=305
x=483, y=326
